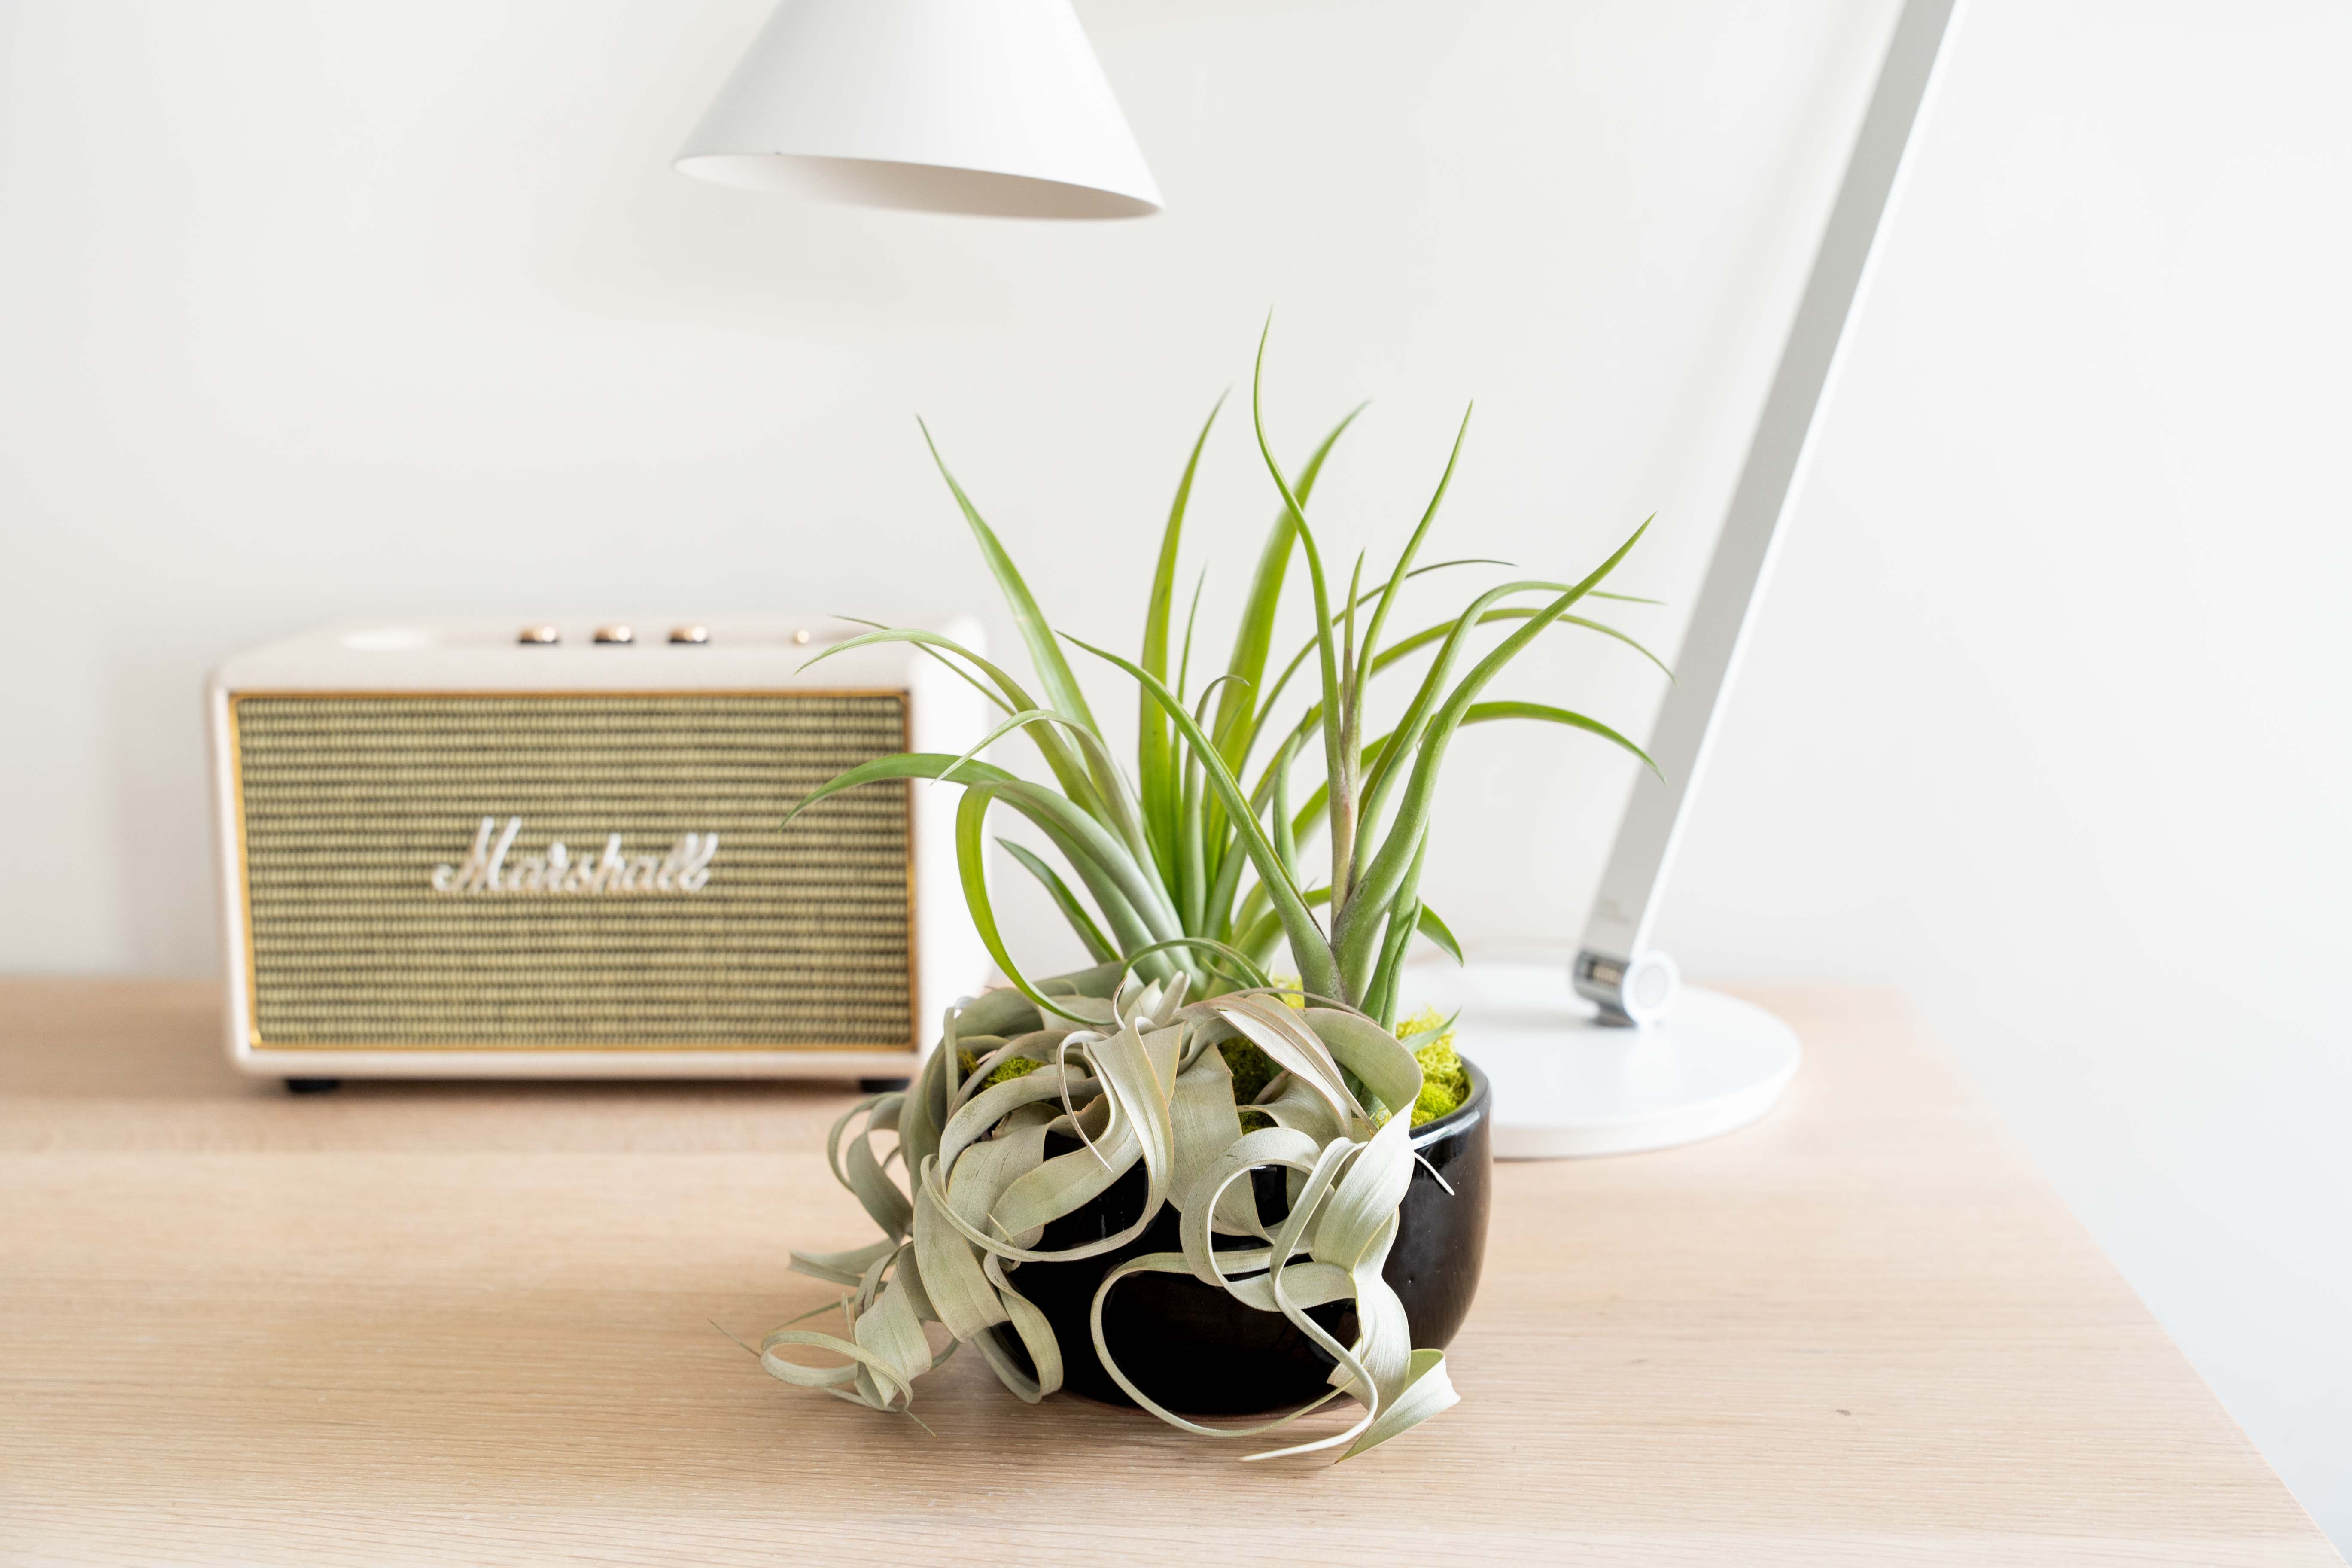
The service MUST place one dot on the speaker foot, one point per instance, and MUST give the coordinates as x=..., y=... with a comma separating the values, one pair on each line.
x=313, y=1085
x=880, y=1085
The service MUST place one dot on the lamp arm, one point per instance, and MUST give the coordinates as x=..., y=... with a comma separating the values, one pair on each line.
x=1615, y=967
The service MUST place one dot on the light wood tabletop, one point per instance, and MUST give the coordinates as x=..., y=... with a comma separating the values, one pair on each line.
x=473, y=1323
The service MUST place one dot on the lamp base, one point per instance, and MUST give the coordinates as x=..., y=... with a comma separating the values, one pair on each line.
x=1567, y=1086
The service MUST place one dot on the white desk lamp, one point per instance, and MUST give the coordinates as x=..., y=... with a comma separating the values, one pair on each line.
x=994, y=107
x=1000, y=108
x=1629, y=1059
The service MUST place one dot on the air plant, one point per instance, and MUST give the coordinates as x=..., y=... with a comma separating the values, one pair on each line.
x=1195, y=880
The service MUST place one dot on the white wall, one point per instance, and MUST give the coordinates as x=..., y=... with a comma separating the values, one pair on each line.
x=317, y=311
x=2050, y=715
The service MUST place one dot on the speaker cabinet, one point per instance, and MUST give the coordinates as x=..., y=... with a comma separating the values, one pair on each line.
x=459, y=850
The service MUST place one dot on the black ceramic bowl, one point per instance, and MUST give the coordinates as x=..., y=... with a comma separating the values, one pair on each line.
x=1195, y=1350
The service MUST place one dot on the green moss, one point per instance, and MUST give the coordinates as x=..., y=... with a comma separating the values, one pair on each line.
x=1005, y=1073
x=1444, y=1082
x=1252, y=1068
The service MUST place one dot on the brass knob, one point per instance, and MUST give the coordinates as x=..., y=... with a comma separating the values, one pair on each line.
x=541, y=635
x=693, y=635
x=616, y=635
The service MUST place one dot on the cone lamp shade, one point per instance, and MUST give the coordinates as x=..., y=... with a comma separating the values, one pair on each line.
x=994, y=107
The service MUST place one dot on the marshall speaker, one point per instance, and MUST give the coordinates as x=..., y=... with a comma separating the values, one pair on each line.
x=456, y=849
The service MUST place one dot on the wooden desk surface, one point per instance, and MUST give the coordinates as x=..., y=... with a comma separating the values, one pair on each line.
x=472, y=1323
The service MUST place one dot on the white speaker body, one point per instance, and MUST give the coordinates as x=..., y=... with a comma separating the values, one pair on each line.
x=447, y=852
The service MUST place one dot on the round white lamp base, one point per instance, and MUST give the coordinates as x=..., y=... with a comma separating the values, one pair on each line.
x=1566, y=1086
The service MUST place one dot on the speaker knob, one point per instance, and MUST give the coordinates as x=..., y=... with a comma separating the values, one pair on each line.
x=616, y=635
x=538, y=635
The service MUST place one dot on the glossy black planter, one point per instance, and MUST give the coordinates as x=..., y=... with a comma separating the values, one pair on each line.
x=1196, y=1349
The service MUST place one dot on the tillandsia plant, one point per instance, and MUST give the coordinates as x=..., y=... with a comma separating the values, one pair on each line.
x=1194, y=879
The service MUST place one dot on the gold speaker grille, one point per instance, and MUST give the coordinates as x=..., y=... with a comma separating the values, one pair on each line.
x=799, y=938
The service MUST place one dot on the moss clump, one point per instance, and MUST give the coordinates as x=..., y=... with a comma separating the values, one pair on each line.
x=1252, y=1068
x=1006, y=1070
x=1444, y=1082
